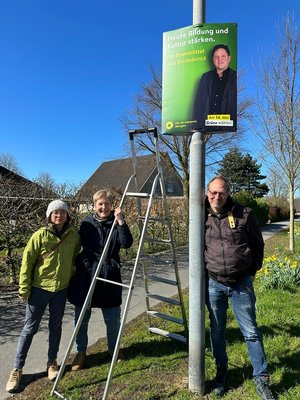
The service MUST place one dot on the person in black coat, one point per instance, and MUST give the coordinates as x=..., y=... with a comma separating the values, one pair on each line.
x=94, y=230
x=216, y=93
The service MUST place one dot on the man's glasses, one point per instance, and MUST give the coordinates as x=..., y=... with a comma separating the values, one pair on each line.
x=215, y=194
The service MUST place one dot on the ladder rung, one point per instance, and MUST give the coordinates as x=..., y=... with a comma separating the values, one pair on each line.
x=59, y=395
x=155, y=240
x=163, y=298
x=154, y=219
x=161, y=332
x=165, y=316
x=158, y=260
x=138, y=194
x=163, y=280
x=143, y=195
x=113, y=282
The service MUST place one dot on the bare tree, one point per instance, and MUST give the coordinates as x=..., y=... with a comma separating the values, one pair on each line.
x=10, y=162
x=146, y=113
x=279, y=108
x=45, y=180
x=67, y=191
x=22, y=211
x=277, y=186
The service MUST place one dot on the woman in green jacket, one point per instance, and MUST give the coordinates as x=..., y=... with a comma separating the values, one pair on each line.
x=47, y=266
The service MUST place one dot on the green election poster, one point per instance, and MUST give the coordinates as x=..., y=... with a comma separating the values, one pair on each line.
x=199, y=90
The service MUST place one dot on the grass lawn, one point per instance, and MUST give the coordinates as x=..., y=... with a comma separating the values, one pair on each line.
x=157, y=368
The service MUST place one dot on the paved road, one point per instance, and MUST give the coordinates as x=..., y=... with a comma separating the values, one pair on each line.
x=12, y=314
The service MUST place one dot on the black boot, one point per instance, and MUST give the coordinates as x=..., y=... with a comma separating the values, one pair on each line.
x=263, y=388
x=219, y=383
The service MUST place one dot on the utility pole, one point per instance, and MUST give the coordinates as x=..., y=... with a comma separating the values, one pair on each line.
x=196, y=248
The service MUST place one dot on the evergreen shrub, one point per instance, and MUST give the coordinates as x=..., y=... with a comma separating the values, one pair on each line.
x=259, y=206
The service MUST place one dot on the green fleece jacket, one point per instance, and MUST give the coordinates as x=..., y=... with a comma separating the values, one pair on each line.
x=45, y=268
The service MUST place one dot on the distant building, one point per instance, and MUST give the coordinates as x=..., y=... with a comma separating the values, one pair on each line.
x=115, y=174
x=13, y=186
x=21, y=200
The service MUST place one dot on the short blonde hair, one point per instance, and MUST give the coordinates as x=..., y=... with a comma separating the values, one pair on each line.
x=102, y=193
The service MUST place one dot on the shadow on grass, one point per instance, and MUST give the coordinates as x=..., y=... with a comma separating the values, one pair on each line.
x=149, y=351
x=28, y=379
x=289, y=363
x=290, y=375
x=160, y=348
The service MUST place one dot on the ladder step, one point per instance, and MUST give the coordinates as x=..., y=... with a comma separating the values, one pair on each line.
x=138, y=194
x=155, y=240
x=165, y=316
x=171, y=335
x=154, y=219
x=59, y=395
x=113, y=282
x=158, y=260
x=160, y=279
x=163, y=298
x=143, y=195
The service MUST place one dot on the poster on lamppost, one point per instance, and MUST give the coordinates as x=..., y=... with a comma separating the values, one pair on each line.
x=199, y=79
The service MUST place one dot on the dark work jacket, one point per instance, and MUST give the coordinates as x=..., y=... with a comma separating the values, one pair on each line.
x=231, y=253
x=93, y=238
x=203, y=96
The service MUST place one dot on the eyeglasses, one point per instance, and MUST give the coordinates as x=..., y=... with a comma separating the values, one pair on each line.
x=215, y=194
x=59, y=212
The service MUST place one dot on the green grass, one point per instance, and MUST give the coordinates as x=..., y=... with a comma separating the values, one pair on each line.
x=157, y=368
x=279, y=243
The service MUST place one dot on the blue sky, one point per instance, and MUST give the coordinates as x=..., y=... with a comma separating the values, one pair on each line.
x=69, y=70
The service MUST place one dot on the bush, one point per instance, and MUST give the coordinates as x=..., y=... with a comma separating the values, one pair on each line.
x=279, y=208
x=274, y=214
x=259, y=206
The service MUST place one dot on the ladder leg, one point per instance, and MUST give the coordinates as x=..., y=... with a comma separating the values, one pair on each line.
x=126, y=307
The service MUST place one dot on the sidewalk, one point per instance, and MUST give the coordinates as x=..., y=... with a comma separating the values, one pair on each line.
x=12, y=314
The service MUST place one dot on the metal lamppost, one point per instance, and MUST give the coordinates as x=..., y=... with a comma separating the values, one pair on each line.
x=196, y=248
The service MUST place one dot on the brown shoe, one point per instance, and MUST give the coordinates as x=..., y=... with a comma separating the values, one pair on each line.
x=78, y=361
x=52, y=369
x=14, y=380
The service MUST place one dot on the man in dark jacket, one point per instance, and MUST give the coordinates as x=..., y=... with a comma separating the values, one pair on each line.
x=233, y=254
x=216, y=94
x=94, y=231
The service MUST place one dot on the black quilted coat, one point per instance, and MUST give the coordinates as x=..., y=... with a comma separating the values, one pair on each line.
x=93, y=235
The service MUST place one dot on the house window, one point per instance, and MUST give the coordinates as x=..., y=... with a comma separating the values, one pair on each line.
x=170, y=187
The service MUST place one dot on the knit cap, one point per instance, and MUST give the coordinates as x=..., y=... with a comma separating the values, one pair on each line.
x=56, y=205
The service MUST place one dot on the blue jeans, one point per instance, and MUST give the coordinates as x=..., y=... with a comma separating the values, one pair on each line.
x=242, y=299
x=111, y=316
x=35, y=308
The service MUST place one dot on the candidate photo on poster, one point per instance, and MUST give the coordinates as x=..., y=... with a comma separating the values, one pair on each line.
x=215, y=100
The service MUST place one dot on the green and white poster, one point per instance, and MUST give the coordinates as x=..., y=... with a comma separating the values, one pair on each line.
x=199, y=79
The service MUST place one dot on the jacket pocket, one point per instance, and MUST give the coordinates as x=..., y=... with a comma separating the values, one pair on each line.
x=110, y=270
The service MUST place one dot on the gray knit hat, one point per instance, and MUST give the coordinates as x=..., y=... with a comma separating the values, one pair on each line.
x=56, y=205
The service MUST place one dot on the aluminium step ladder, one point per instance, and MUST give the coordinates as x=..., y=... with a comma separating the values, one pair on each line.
x=157, y=192
x=165, y=261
